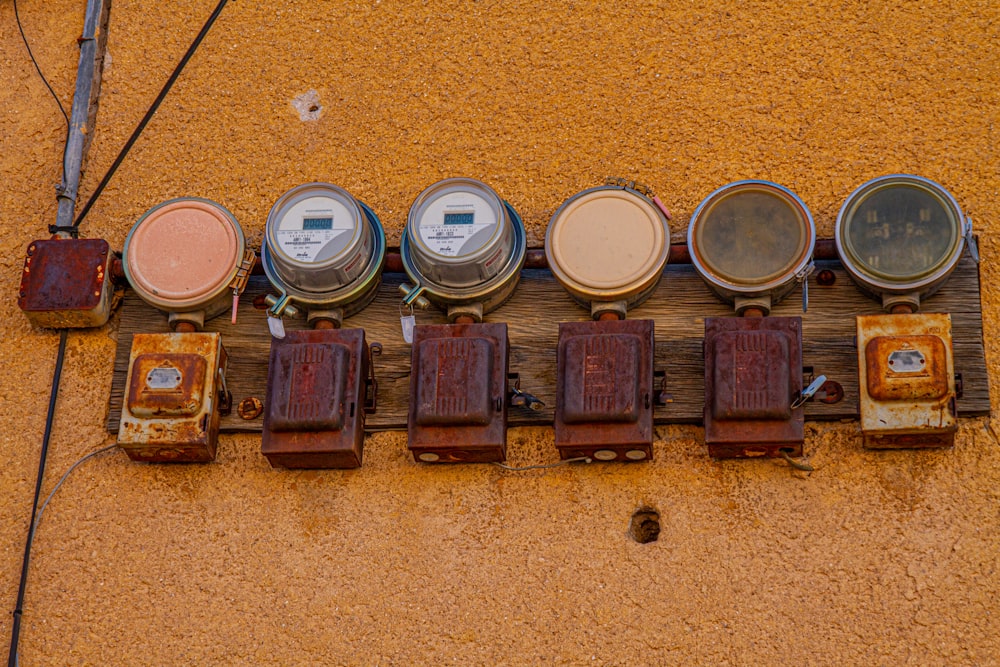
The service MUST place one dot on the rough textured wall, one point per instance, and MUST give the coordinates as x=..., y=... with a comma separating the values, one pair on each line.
x=875, y=558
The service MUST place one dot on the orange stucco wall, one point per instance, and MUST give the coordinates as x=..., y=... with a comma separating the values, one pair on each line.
x=875, y=558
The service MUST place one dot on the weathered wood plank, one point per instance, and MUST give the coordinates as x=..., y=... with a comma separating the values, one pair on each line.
x=679, y=307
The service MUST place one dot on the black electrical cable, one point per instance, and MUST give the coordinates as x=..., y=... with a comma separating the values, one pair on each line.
x=62, y=109
x=50, y=417
x=17, y=18
x=152, y=110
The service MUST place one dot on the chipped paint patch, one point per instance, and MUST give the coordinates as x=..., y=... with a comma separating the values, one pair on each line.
x=308, y=106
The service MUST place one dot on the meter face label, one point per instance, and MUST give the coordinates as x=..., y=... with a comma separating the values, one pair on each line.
x=458, y=223
x=907, y=361
x=316, y=229
x=163, y=377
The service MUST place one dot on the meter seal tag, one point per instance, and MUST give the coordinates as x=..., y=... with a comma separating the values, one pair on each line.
x=970, y=240
x=407, y=322
x=808, y=392
x=803, y=277
x=276, y=326
x=274, y=323
x=242, y=277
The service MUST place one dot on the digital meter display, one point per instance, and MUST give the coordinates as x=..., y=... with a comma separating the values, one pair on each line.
x=901, y=231
x=459, y=218
x=315, y=229
x=457, y=223
x=317, y=223
x=750, y=236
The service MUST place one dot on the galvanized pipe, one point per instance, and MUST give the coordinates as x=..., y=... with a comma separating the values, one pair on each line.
x=88, y=87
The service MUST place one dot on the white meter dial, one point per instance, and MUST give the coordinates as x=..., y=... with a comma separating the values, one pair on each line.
x=316, y=229
x=457, y=224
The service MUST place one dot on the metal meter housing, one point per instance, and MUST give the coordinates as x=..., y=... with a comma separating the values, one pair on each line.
x=604, y=389
x=318, y=390
x=323, y=248
x=752, y=241
x=463, y=247
x=753, y=374
x=174, y=394
x=608, y=245
x=907, y=380
x=183, y=256
x=899, y=237
x=458, y=393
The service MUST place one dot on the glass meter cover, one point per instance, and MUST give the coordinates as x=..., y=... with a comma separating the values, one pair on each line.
x=322, y=246
x=750, y=239
x=900, y=234
x=182, y=255
x=608, y=244
x=462, y=243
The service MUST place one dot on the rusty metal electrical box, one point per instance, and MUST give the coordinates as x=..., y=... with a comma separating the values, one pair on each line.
x=66, y=283
x=458, y=393
x=907, y=380
x=174, y=393
x=604, y=390
x=753, y=374
x=318, y=390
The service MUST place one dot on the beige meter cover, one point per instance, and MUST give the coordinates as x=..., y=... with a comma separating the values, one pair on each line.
x=183, y=254
x=608, y=244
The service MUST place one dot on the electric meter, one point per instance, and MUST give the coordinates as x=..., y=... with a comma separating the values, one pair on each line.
x=463, y=248
x=752, y=241
x=607, y=246
x=324, y=250
x=900, y=237
x=187, y=257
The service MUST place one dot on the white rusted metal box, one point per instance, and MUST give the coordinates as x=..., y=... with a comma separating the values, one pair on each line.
x=174, y=392
x=907, y=380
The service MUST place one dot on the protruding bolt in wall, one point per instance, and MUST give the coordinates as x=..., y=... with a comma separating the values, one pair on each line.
x=250, y=408
x=645, y=525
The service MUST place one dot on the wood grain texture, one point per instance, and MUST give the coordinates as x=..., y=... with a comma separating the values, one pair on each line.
x=678, y=307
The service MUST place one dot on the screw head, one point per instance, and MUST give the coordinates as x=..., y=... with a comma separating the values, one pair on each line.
x=250, y=408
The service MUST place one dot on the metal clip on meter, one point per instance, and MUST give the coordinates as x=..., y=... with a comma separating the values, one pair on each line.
x=752, y=242
x=899, y=237
x=324, y=251
x=463, y=249
x=608, y=247
x=188, y=258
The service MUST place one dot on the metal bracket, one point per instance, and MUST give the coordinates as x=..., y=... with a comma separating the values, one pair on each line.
x=371, y=384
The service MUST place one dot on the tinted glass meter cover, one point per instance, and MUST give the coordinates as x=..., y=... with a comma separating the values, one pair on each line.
x=752, y=239
x=323, y=248
x=900, y=234
x=462, y=244
x=608, y=244
x=183, y=255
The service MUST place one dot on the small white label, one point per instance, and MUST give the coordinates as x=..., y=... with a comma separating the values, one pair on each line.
x=163, y=377
x=408, y=322
x=276, y=326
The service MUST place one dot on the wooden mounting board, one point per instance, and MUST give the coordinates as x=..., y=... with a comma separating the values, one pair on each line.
x=678, y=307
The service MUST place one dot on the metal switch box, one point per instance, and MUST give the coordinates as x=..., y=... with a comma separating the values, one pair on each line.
x=317, y=385
x=173, y=395
x=604, y=390
x=907, y=380
x=458, y=393
x=66, y=283
x=753, y=373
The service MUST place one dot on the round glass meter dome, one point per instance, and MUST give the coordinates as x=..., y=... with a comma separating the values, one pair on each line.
x=324, y=248
x=900, y=234
x=463, y=245
x=751, y=239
